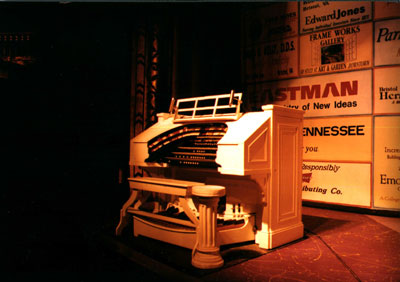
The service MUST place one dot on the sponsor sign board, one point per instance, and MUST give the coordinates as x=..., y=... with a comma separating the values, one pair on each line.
x=387, y=90
x=337, y=183
x=275, y=60
x=387, y=42
x=276, y=20
x=340, y=49
x=321, y=15
x=386, y=9
x=327, y=95
x=387, y=162
x=338, y=139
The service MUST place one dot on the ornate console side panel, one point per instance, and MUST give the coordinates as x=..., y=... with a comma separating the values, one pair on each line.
x=281, y=218
x=245, y=147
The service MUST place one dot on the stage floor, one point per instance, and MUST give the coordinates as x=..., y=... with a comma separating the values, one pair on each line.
x=337, y=246
x=56, y=245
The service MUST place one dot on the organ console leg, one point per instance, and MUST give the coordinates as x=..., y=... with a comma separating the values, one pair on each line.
x=124, y=216
x=124, y=213
x=206, y=254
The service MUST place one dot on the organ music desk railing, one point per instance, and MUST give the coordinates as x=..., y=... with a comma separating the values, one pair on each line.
x=255, y=156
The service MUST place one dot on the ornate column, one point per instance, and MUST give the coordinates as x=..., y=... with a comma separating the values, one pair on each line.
x=206, y=252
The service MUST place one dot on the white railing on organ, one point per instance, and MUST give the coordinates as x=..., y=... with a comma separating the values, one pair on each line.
x=215, y=107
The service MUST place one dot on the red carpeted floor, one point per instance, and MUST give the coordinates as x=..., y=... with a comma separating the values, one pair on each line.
x=338, y=246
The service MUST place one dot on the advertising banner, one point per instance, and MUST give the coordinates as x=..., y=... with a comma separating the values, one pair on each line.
x=273, y=21
x=387, y=42
x=269, y=61
x=321, y=15
x=386, y=9
x=341, y=49
x=387, y=162
x=387, y=90
x=327, y=95
x=337, y=183
x=338, y=139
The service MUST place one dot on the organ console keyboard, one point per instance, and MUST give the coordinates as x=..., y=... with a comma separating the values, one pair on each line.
x=206, y=144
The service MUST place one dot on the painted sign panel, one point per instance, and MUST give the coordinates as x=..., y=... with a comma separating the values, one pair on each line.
x=386, y=9
x=338, y=139
x=387, y=90
x=272, y=60
x=321, y=15
x=341, y=49
x=337, y=183
x=387, y=162
x=276, y=20
x=387, y=42
x=327, y=95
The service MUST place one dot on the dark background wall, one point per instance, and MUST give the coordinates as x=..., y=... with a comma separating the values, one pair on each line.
x=66, y=117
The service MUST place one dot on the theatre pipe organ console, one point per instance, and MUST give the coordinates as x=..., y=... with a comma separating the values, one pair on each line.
x=206, y=141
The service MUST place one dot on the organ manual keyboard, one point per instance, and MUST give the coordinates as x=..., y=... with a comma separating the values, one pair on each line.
x=206, y=149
